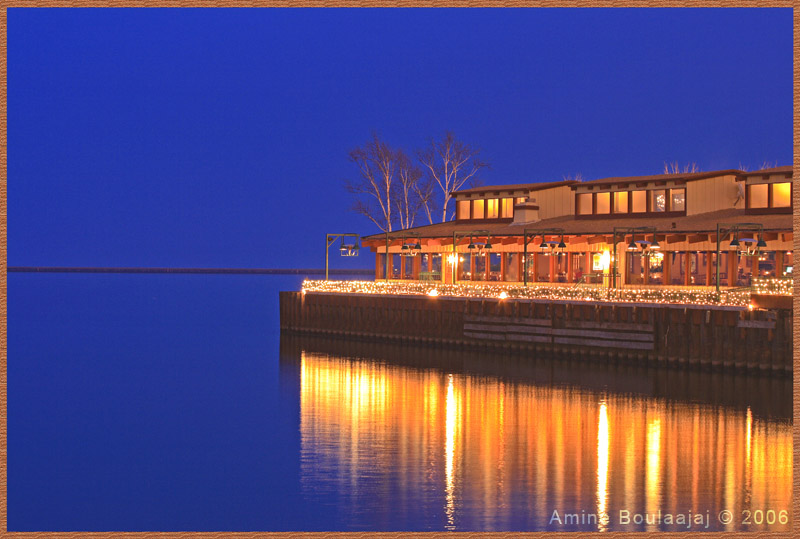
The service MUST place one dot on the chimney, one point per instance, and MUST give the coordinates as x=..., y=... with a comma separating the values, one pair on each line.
x=526, y=212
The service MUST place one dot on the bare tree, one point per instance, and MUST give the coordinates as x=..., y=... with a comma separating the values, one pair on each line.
x=768, y=164
x=425, y=193
x=390, y=190
x=377, y=167
x=450, y=163
x=406, y=198
x=675, y=168
x=569, y=177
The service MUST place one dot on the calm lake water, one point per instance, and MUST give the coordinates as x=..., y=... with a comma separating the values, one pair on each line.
x=171, y=402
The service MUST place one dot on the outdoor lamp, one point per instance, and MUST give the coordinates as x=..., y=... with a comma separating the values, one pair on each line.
x=734, y=242
x=488, y=245
x=761, y=243
x=561, y=244
x=632, y=246
x=543, y=245
x=655, y=244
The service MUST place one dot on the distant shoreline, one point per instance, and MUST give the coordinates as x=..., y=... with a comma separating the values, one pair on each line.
x=249, y=271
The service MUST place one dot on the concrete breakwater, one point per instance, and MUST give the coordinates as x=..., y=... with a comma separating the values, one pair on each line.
x=716, y=337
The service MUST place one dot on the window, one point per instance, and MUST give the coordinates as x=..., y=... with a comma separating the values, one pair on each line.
x=677, y=200
x=492, y=208
x=584, y=204
x=507, y=208
x=639, y=200
x=520, y=200
x=621, y=202
x=758, y=198
x=603, y=203
x=477, y=209
x=659, y=200
x=782, y=195
x=462, y=209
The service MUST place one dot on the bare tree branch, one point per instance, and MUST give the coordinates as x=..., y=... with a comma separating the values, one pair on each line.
x=451, y=164
x=675, y=168
x=388, y=189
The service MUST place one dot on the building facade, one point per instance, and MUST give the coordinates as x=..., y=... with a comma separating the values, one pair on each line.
x=695, y=229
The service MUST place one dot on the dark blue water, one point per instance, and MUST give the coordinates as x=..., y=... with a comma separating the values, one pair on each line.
x=151, y=403
x=170, y=402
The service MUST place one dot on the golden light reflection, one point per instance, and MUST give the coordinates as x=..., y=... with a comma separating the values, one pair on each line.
x=602, y=468
x=653, y=472
x=451, y=415
x=465, y=451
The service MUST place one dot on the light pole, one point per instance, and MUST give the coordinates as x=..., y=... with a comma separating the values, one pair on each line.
x=344, y=250
x=543, y=232
x=644, y=244
x=724, y=230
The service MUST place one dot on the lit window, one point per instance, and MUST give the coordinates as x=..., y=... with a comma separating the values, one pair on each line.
x=758, y=198
x=621, y=202
x=492, y=208
x=639, y=201
x=520, y=200
x=782, y=195
x=462, y=209
x=584, y=204
x=678, y=200
x=477, y=209
x=507, y=208
x=603, y=202
x=659, y=200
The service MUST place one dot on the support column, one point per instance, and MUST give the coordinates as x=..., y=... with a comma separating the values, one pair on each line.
x=588, y=263
x=667, y=267
x=646, y=266
x=378, y=267
x=779, y=255
x=754, y=269
x=402, y=267
x=471, y=267
x=416, y=267
x=535, y=267
x=389, y=266
x=733, y=268
x=503, y=264
x=553, y=258
x=570, y=272
x=687, y=268
x=520, y=268
x=710, y=267
x=488, y=258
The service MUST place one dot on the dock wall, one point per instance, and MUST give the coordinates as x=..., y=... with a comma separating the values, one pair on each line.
x=700, y=336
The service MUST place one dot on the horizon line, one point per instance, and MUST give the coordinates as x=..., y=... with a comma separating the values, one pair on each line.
x=114, y=269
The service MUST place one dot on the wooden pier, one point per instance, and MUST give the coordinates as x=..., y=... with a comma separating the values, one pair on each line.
x=696, y=336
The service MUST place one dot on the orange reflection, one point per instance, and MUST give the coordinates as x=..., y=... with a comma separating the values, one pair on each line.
x=464, y=451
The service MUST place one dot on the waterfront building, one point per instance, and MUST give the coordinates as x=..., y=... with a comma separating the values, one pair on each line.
x=660, y=230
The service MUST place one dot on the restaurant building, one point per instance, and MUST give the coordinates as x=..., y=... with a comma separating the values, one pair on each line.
x=694, y=229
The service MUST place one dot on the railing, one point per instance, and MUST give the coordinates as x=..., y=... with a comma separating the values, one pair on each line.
x=484, y=289
x=430, y=276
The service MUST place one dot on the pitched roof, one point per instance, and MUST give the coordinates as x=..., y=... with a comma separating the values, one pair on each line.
x=703, y=222
x=515, y=187
x=773, y=170
x=683, y=176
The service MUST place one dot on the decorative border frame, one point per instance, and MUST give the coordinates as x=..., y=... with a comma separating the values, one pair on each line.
x=795, y=4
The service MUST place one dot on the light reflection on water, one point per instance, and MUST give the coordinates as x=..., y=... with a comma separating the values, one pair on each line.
x=451, y=448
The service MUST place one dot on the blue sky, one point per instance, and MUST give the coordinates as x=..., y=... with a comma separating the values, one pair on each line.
x=219, y=138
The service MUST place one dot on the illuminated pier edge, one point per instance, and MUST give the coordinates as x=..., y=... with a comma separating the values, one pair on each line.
x=661, y=295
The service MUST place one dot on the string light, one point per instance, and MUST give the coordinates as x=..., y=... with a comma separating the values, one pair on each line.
x=597, y=293
x=781, y=286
